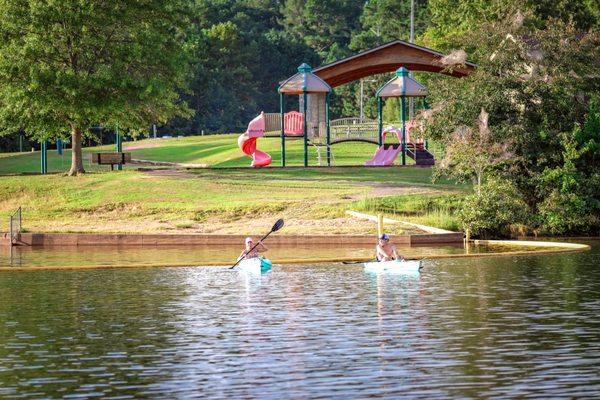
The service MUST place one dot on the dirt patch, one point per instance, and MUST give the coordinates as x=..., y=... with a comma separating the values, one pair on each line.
x=138, y=146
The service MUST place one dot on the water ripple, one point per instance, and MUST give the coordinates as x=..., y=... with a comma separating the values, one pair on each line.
x=502, y=328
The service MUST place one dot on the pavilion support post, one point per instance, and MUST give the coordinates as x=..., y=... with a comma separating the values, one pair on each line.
x=20, y=143
x=59, y=147
x=119, y=145
x=380, y=121
x=281, y=114
x=328, y=130
x=403, y=120
x=426, y=107
x=305, y=98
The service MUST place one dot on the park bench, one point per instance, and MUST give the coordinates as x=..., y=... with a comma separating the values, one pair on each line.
x=111, y=159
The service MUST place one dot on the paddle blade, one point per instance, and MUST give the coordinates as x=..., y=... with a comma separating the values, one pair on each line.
x=278, y=225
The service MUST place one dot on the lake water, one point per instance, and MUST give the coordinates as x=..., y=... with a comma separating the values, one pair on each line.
x=105, y=256
x=497, y=327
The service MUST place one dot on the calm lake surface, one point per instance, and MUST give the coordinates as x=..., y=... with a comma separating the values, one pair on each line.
x=487, y=327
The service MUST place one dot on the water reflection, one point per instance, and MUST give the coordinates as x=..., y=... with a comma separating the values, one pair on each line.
x=104, y=256
x=489, y=327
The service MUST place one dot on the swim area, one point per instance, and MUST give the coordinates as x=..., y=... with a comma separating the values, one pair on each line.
x=510, y=326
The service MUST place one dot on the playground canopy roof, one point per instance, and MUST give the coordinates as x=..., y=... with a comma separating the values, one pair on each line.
x=402, y=85
x=304, y=82
x=388, y=58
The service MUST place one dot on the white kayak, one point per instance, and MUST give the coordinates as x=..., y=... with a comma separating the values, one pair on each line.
x=256, y=265
x=398, y=267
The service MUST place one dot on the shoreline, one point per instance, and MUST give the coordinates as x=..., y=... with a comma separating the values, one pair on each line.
x=124, y=239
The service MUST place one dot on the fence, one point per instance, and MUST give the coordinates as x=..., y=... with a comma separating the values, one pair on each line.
x=15, y=225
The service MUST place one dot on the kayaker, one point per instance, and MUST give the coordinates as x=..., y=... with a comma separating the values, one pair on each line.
x=385, y=251
x=249, y=252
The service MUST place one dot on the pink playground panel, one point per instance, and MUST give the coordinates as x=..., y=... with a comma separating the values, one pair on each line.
x=293, y=123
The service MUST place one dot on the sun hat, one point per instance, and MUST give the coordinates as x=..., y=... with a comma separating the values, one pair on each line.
x=384, y=237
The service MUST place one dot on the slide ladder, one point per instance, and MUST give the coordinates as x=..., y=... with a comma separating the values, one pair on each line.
x=247, y=142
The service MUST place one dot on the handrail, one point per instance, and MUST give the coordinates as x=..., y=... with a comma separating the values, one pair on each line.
x=15, y=225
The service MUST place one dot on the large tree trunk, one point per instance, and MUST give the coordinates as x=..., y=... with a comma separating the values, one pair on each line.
x=76, y=154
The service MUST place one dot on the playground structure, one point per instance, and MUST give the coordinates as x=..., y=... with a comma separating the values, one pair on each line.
x=314, y=127
x=314, y=89
x=303, y=84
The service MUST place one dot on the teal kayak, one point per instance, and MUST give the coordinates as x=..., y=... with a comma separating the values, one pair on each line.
x=258, y=265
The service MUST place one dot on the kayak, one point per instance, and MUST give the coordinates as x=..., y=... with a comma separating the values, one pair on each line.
x=399, y=267
x=256, y=265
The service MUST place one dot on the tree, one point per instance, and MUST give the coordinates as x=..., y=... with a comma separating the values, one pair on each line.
x=471, y=153
x=386, y=20
x=66, y=66
x=537, y=86
x=325, y=25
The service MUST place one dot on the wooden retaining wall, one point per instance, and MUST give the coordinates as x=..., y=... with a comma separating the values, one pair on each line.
x=103, y=239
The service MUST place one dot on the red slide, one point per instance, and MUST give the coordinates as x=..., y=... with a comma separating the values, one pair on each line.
x=247, y=142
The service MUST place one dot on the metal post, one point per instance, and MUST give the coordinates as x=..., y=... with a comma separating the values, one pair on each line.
x=281, y=114
x=380, y=121
x=44, y=157
x=426, y=107
x=403, y=118
x=362, y=114
x=119, y=145
x=20, y=143
x=411, y=106
x=328, y=130
x=154, y=130
x=304, y=106
x=59, y=147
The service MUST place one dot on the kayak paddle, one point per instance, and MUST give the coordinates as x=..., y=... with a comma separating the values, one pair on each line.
x=278, y=225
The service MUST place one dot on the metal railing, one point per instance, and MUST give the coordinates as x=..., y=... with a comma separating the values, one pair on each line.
x=16, y=220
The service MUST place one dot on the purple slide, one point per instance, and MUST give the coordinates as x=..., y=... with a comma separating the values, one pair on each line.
x=387, y=154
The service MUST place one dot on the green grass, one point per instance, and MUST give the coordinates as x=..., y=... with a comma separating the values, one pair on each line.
x=212, y=150
x=437, y=210
x=225, y=200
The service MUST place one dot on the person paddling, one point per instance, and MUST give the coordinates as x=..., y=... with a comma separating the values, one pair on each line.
x=249, y=252
x=385, y=251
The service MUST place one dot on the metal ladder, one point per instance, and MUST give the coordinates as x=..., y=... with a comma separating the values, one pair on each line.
x=16, y=220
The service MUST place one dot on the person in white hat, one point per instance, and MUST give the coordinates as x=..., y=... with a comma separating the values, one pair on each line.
x=250, y=252
x=385, y=251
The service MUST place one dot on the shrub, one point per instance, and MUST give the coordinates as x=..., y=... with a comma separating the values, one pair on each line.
x=498, y=209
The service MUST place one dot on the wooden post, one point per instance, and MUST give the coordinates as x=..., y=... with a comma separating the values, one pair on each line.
x=379, y=225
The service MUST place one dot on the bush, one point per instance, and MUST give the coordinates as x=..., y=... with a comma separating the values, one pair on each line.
x=498, y=209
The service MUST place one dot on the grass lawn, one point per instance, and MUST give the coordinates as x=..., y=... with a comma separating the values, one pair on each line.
x=211, y=150
x=221, y=200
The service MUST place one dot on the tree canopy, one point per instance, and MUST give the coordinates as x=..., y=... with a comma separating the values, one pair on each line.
x=67, y=66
